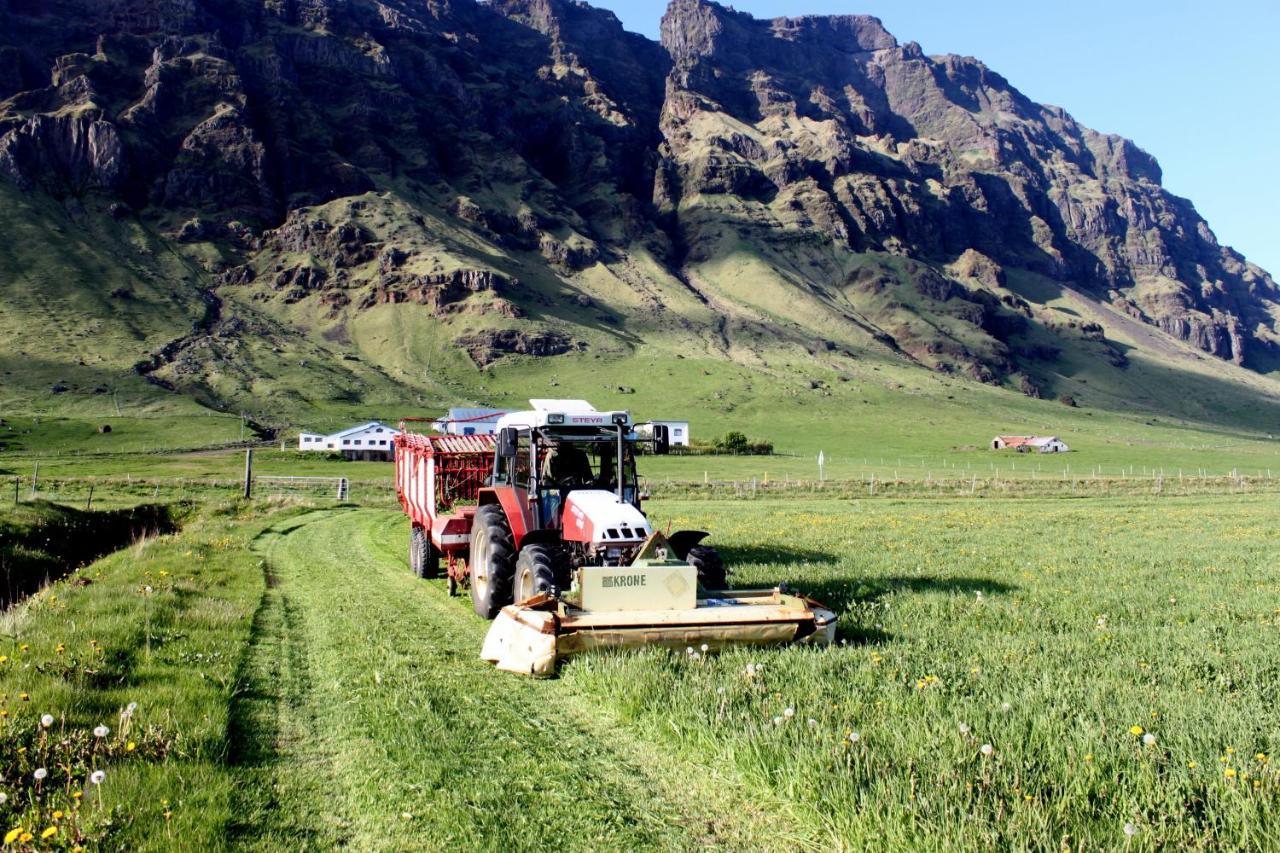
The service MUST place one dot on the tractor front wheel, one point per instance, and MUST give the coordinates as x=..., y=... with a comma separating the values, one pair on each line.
x=711, y=573
x=538, y=570
x=491, y=561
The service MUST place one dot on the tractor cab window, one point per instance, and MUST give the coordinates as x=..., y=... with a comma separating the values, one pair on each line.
x=521, y=466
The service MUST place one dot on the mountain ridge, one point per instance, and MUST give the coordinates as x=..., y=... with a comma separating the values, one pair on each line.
x=525, y=179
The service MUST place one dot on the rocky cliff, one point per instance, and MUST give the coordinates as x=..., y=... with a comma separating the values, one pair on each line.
x=530, y=175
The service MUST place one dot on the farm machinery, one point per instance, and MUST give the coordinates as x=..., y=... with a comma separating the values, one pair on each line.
x=542, y=522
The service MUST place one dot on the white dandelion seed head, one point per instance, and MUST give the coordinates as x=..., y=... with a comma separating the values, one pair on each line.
x=1149, y=739
x=777, y=721
x=97, y=776
x=705, y=648
x=131, y=707
x=720, y=690
x=46, y=721
x=695, y=656
x=964, y=728
x=986, y=749
x=101, y=731
x=4, y=798
x=1130, y=829
x=789, y=713
x=1006, y=707
x=40, y=773
x=689, y=650
x=854, y=737
x=812, y=723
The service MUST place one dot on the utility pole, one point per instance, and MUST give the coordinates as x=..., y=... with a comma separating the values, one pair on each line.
x=248, y=473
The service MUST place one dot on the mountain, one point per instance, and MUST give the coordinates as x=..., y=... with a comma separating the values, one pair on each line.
x=298, y=205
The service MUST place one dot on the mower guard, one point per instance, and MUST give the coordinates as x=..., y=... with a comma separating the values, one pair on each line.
x=529, y=638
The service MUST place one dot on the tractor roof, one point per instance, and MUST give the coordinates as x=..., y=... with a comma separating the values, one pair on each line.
x=568, y=413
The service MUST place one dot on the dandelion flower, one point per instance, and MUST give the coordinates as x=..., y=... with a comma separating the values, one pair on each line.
x=25, y=837
x=854, y=737
x=964, y=728
x=131, y=707
x=789, y=713
x=97, y=776
x=777, y=721
x=1130, y=830
x=1230, y=773
x=986, y=749
x=1149, y=739
x=40, y=774
x=4, y=798
x=57, y=814
x=689, y=650
x=705, y=648
x=1192, y=765
x=46, y=721
x=50, y=832
x=1089, y=758
x=812, y=723
x=1136, y=731
x=12, y=835
x=1006, y=707
x=101, y=731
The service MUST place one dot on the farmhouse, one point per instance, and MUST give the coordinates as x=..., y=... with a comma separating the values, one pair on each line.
x=677, y=431
x=369, y=442
x=1030, y=443
x=467, y=421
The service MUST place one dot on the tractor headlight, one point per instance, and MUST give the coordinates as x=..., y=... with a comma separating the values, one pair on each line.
x=620, y=419
x=555, y=419
x=613, y=553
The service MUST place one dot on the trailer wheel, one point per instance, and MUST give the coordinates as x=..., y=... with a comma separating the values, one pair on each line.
x=424, y=557
x=492, y=561
x=538, y=569
x=706, y=560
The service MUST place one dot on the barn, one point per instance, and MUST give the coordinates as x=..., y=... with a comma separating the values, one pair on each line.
x=677, y=431
x=368, y=442
x=1030, y=443
x=469, y=421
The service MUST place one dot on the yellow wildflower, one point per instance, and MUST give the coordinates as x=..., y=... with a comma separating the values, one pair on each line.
x=24, y=647
x=1089, y=757
x=57, y=814
x=25, y=837
x=1192, y=765
x=1137, y=731
x=50, y=832
x=1230, y=773
x=130, y=746
x=12, y=835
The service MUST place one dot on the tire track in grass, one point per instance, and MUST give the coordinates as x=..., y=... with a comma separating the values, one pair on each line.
x=377, y=726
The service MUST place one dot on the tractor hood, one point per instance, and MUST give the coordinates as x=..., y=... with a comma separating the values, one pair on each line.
x=596, y=515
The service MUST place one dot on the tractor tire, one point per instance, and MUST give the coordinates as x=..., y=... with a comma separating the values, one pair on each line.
x=492, y=561
x=711, y=573
x=539, y=569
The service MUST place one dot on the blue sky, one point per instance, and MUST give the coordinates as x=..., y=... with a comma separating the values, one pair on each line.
x=1195, y=84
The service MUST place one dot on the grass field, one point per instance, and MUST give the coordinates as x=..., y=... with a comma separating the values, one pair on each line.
x=299, y=688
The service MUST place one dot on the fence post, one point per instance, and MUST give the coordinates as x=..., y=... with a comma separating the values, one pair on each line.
x=88, y=505
x=35, y=480
x=17, y=484
x=248, y=473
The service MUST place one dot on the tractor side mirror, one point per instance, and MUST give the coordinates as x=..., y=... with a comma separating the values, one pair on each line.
x=661, y=440
x=507, y=441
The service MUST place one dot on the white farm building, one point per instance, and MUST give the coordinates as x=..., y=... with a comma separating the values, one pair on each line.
x=1030, y=443
x=368, y=442
x=677, y=431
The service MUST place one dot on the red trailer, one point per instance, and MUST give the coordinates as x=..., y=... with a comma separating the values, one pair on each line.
x=438, y=481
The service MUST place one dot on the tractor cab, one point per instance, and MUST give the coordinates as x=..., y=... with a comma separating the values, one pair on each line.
x=573, y=470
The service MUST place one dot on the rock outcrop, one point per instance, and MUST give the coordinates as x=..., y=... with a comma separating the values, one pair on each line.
x=905, y=200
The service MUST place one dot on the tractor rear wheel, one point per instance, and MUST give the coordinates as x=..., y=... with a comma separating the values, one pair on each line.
x=491, y=561
x=711, y=573
x=539, y=569
x=424, y=559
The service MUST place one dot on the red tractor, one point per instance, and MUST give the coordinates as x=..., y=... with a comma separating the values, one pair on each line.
x=514, y=514
x=543, y=522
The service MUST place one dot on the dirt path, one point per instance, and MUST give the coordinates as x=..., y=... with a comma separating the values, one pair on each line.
x=365, y=718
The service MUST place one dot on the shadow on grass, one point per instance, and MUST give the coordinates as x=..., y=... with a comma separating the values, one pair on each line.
x=742, y=555
x=841, y=594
